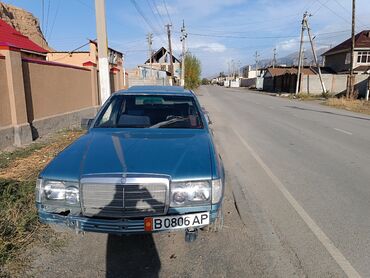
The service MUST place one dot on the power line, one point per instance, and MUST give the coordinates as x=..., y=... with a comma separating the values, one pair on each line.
x=259, y=37
x=53, y=22
x=159, y=14
x=344, y=8
x=86, y=5
x=340, y=4
x=43, y=15
x=168, y=14
x=159, y=20
x=293, y=16
x=239, y=37
x=147, y=21
x=68, y=53
x=338, y=15
x=321, y=5
x=334, y=12
x=308, y=6
x=152, y=11
x=47, y=19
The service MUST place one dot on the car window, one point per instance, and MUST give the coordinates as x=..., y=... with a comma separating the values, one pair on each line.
x=150, y=111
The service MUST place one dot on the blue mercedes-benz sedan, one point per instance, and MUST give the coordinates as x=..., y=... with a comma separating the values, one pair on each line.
x=147, y=163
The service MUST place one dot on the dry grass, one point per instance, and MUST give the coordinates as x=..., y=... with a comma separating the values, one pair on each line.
x=19, y=224
x=305, y=96
x=359, y=106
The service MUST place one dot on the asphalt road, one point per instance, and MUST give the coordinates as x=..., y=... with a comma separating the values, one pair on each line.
x=307, y=168
x=297, y=201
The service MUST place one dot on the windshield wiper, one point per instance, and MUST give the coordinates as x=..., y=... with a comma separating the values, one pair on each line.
x=171, y=121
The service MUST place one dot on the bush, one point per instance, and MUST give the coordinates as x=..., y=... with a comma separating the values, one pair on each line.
x=192, y=71
x=205, y=81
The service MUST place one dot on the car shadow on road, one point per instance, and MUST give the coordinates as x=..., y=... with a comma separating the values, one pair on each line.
x=328, y=112
x=132, y=256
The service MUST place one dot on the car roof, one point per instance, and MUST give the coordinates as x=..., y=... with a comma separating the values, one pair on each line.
x=156, y=90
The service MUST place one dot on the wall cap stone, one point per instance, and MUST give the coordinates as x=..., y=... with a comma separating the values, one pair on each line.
x=55, y=64
x=114, y=69
x=89, y=64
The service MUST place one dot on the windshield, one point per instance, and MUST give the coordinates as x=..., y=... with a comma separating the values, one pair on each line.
x=150, y=111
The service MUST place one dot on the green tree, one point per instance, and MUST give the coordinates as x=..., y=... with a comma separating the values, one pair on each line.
x=192, y=71
x=205, y=81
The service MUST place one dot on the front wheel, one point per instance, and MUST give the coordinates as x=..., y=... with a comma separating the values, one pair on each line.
x=218, y=224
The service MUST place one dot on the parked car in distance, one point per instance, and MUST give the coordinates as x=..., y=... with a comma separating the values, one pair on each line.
x=146, y=164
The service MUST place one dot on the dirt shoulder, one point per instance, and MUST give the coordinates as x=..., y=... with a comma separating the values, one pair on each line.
x=359, y=106
x=19, y=225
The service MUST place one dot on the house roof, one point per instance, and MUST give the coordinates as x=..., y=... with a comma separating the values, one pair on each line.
x=159, y=54
x=362, y=40
x=96, y=43
x=282, y=71
x=11, y=37
x=362, y=68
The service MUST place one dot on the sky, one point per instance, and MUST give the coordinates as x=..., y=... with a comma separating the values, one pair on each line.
x=219, y=31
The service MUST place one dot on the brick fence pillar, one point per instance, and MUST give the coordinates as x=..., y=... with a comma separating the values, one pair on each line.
x=95, y=97
x=17, y=97
x=116, y=78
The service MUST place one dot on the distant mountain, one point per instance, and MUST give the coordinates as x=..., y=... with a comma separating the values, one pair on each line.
x=292, y=59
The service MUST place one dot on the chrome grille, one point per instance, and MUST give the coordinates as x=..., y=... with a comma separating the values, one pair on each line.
x=110, y=197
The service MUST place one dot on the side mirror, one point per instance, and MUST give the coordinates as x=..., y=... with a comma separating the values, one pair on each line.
x=86, y=123
x=209, y=122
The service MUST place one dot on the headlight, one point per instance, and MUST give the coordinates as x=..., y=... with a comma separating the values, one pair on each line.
x=190, y=193
x=60, y=193
x=72, y=195
x=217, y=190
x=54, y=190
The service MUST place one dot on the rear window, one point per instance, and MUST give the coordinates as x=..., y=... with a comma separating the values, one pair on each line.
x=150, y=111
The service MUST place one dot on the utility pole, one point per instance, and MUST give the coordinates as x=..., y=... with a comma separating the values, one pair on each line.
x=168, y=26
x=274, y=59
x=149, y=38
x=239, y=71
x=315, y=57
x=305, y=26
x=351, y=81
x=232, y=69
x=101, y=30
x=256, y=56
x=183, y=37
x=228, y=69
x=300, y=54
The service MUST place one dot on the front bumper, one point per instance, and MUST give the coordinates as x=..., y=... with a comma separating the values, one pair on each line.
x=114, y=226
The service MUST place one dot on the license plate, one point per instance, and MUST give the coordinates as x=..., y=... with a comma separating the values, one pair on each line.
x=176, y=222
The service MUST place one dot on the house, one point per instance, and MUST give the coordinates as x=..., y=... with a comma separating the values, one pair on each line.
x=144, y=75
x=248, y=72
x=83, y=58
x=161, y=60
x=11, y=38
x=283, y=79
x=339, y=57
x=78, y=58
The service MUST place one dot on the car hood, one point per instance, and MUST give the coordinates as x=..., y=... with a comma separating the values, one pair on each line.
x=181, y=154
